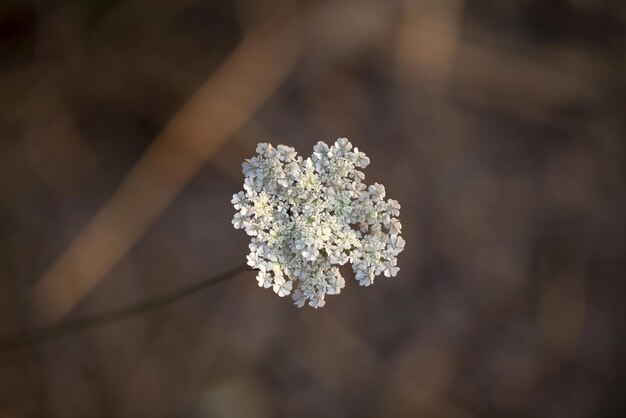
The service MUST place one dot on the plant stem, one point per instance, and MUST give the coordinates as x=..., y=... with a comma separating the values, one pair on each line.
x=52, y=332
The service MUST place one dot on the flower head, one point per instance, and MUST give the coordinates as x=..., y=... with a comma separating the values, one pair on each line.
x=309, y=216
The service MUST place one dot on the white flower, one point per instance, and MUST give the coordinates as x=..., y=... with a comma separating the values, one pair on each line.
x=299, y=298
x=250, y=167
x=264, y=149
x=310, y=254
x=253, y=260
x=360, y=159
x=309, y=216
x=335, y=284
x=390, y=269
x=286, y=154
x=238, y=221
x=338, y=258
x=394, y=207
x=377, y=191
x=343, y=144
x=395, y=227
x=281, y=287
x=249, y=186
x=264, y=279
x=238, y=200
x=317, y=301
x=355, y=189
x=396, y=243
x=365, y=278
x=321, y=150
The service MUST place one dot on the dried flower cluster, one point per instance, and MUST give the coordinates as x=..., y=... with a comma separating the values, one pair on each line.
x=309, y=216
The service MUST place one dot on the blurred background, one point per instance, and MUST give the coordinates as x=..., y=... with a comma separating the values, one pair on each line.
x=499, y=126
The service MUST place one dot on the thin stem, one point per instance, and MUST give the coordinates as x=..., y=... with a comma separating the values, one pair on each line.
x=52, y=332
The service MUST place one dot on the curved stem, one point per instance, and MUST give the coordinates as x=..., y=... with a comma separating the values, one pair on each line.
x=62, y=329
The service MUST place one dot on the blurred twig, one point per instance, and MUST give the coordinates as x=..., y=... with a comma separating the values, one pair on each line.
x=53, y=332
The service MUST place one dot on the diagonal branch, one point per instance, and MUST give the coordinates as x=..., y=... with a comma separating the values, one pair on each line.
x=248, y=77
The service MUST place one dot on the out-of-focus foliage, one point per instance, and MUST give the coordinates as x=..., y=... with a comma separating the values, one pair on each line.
x=499, y=126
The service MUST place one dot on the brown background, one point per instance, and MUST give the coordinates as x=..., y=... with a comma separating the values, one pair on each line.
x=499, y=126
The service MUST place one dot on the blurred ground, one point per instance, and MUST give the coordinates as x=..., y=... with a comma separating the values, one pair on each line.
x=499, y=126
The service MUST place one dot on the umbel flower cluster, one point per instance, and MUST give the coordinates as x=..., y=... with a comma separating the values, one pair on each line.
x=309, y=216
